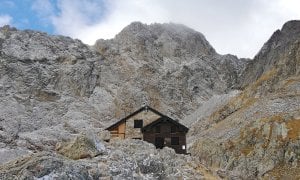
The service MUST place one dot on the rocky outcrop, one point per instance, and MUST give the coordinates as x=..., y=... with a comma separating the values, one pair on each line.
x=52, y=87
x=256, y=134
x=41, y=79
x=277, y=52
x=58, y=94
x=79, y=148
x=171, y=67
x=129, y=159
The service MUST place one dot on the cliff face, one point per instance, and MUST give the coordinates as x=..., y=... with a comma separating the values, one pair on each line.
x=45, y=82
x=168, y=66
x=54, y=89
x=257, y=132
x=274, y=53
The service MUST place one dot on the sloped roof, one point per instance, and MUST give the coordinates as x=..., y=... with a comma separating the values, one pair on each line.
x=144, y=108
x=165, y=119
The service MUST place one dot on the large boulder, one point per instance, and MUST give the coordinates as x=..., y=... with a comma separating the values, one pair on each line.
x=78, y=148
x=124, y=159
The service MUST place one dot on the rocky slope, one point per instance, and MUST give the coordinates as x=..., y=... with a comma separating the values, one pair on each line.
x=53, y=81
x=58, y=94
x=128, y=159
x=256, y=134
x=171, y=67
x=53, y=88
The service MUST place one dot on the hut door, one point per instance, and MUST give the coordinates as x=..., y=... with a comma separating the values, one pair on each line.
x=159, y=142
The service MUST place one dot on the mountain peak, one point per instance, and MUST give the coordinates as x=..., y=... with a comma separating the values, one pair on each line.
x=291, y=27
x=168, y=36
x=280, y=44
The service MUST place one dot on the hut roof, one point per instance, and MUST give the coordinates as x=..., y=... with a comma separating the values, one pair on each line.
x=144, y=108
x=165, y=119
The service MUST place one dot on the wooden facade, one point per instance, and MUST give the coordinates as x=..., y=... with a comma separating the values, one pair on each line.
x=165, y=132
x=125, y=128
x=152, y=126
x=118, y=131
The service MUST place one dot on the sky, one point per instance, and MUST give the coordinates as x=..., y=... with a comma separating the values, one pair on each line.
x=238, y=27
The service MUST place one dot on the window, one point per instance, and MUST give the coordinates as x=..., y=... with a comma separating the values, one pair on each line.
x=159, y=142
x=137, y=138
x=173, y=129
x=157, y=129
x=174, y=140
x=138, y=123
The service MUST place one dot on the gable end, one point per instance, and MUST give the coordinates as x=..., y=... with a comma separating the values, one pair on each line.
x=144, y=108
x=165, y=119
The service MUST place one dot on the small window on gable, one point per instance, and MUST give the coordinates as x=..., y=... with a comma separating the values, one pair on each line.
x=173, y=129
x=157, y=129
x=174, y=140
x=138, y=123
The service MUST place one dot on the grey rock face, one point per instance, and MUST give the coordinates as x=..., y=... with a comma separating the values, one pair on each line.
x=129, y=159
x=54, y=83
x=170, y=66
x=36, y=46
x=270, y=55
x=256, y=134
x=171, y=40
x=53, y=88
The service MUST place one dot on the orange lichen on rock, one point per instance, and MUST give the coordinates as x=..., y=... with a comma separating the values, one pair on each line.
x=283, y=172
x=247, y=150
x=291, y=81
x=294, y=129
x=276, y=118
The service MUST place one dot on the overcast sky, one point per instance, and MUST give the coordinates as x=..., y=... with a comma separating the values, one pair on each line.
x=238, y=27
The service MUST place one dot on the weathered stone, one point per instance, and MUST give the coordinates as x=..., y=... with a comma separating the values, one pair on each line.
x=79, y=148
x=257, y=131
x=121, y=162
x=54, y=88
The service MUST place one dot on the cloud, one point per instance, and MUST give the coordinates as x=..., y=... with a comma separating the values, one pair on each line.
x=234, y=26
x=5, y=20
x=105, y=19
x=44, y=8
x=76, y=16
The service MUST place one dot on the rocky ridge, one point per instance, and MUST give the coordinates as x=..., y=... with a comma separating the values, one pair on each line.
x=53, y=89
x=53, y=84
x=168, y=66
x=129, y=159
x=256, y=134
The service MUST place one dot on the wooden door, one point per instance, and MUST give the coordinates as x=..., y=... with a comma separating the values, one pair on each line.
x=159, y=142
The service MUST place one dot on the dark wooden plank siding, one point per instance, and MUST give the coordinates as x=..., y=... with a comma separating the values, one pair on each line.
x=165, y=132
